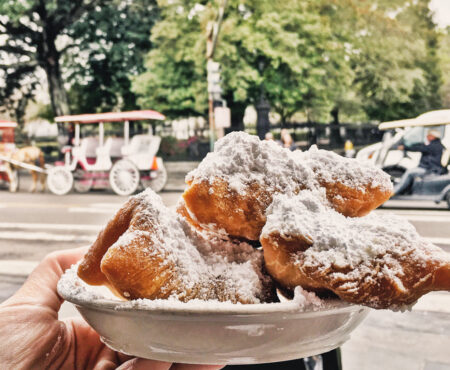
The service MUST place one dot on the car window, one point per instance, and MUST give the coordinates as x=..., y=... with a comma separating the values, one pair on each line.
x=417, y=135
x=414, y=135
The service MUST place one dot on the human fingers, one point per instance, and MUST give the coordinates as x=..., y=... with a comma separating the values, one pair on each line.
x=40, y=287
x=144, y=364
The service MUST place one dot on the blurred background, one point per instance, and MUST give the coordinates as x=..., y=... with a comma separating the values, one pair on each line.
x=325, y=72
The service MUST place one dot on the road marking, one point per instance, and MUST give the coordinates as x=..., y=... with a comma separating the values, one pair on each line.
x=435, y=301
x=17, y=267
x=442, y=241
x=42, y=236
x=414, y=212
x=90, y=210
x=40, y=226
x=420, y=217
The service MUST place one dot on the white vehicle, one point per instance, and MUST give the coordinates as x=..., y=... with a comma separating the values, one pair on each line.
x=119, y=162
x=408, y=131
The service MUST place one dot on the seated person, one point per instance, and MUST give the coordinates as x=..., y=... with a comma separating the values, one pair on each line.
x=430, y=162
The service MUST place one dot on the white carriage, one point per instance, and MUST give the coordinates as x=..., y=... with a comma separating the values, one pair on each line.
x=123, y=163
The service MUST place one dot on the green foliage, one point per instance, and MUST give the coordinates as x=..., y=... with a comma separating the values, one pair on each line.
x=372, y=60
x=113, y=40
x=444, y=58
x=174, y=80
x=393, y=48
x=105, y=41
x=275, y=47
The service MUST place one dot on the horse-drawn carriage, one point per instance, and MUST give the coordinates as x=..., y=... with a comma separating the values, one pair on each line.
x=123, y=163
x=7, y=147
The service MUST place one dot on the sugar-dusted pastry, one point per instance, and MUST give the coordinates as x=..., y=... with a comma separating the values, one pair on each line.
x=232, y=187
x=377, y=260
x=149, y=251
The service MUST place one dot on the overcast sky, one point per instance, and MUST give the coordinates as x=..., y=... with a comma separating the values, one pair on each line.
x=441, y=10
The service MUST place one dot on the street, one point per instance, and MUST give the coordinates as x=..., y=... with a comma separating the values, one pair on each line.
x=32, y=225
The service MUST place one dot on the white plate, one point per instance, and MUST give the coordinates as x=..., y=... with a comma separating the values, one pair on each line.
x=210, y=332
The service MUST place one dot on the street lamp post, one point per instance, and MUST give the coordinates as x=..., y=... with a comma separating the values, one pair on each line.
x=262, y=117
x=213, y=70
x=262, y=108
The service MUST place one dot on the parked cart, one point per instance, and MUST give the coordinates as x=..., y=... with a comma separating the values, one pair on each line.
x=123, y=163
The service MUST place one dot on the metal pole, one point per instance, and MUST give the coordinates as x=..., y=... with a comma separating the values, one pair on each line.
x=211, y=42
x=126, y=132
x=77, y=134
x=101, y=134
x=212, y=126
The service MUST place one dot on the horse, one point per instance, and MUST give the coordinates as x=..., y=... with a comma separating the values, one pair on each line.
x=30, y=155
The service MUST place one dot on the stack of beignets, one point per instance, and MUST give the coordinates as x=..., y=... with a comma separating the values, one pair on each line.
x=308, y=211
x=148, y=251
x=233, y=186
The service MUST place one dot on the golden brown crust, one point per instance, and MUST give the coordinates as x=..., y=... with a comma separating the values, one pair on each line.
x=215, y=206
x=89, y=268
x=353, y=202
x=133, y=258
x=241, y=216
x=421, y=273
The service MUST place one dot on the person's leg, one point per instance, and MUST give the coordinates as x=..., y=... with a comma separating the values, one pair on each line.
x=407, y=178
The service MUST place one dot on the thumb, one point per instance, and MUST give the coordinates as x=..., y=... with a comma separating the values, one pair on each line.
x=40, y=287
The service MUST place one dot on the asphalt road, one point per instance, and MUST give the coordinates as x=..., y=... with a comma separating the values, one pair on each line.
x=32, y=225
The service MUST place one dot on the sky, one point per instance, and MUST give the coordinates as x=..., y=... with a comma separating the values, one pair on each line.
x=441, y=10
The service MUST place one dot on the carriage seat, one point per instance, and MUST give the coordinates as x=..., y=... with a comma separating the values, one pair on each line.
x=116, y=147
x=142, y=144
x=89, y=146
x=142, y=150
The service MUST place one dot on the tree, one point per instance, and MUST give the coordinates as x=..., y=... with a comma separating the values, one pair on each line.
x=275, y=47
x=111, y=42
x=364, y=60
x=393, y=57
x=444, y=56
x=32, y=28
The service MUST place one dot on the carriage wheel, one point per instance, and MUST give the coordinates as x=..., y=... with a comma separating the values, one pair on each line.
x=82, y=184
x=59, y=180
x=13, y=181
x=158, y=181
x=124, y=177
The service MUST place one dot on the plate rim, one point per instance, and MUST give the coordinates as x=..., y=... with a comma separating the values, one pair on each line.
x=185, y=308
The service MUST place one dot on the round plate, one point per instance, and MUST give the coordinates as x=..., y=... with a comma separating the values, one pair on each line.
x=200, y=332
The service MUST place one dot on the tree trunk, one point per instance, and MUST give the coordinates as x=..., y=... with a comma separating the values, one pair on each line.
x=58, y=95
x=48, y=57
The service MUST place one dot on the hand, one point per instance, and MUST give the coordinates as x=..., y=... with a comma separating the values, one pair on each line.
x=32, y=337
x=401, y=147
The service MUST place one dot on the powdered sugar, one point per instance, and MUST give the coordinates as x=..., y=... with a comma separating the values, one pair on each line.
x=72, y=288
x=331, y=167
x=352, y=249
x=242, y=159
x=307, y=300
x=203, y=263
